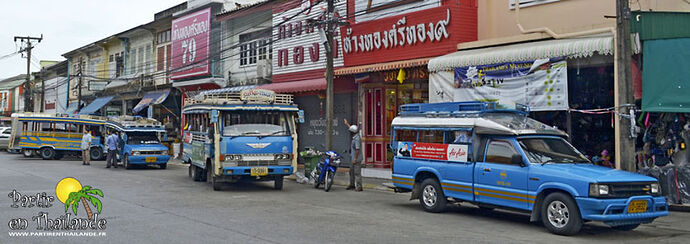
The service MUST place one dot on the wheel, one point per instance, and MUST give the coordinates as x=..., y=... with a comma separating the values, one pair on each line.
x=195, y=172
x=560, y=214
x=47, y=153
x=96, y=153
x=328, y=182
x=163, y=166
x=28, y=153
x=432, y=198
x=278, y=183
x=189, y=170
x=125, y=161
x=625, y=227
x=212, y=179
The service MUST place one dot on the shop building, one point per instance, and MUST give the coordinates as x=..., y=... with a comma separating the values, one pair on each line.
x=52, y=89
x=386, y=49
x=298, y=60
x=562, y=66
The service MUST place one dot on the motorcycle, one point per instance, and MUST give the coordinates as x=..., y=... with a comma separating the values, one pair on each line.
x=325, y=170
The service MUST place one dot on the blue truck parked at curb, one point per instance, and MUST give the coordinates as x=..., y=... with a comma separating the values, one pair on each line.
x=139, y=141
x=240, y=135
x=499, y=158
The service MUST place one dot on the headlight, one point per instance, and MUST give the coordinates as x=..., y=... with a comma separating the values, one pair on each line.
x=164, y=152
x=134, y=153
x=233, y=157
x=282, y=156
x=655, y=189
x=597, y=190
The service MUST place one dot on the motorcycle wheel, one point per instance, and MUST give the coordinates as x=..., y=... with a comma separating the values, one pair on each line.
x=329, y=181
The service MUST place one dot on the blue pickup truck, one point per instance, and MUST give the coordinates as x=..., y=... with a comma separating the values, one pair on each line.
x=139, y=142
x=499, y=158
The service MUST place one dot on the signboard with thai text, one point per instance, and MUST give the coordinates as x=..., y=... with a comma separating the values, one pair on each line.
x=424, y=33
x=298, y=46
x=190, y=44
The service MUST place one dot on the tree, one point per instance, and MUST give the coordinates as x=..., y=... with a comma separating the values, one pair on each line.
x=81, y=196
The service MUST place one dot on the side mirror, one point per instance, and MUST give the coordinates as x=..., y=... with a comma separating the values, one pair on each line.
x=516, y=159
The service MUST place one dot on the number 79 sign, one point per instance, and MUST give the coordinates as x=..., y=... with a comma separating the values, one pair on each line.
x=190, y=44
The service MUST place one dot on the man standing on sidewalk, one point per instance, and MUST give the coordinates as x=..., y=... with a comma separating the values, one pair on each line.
x=111, y=144
x=355, y=155
x=85, y=145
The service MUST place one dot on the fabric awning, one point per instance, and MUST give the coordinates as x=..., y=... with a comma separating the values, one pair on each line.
x=121, y=81
x=154, y=97
x=296, y=86
x=573, y=47
x=72, y=108
x=97, y=104
x=383, y=66
x=665, y=83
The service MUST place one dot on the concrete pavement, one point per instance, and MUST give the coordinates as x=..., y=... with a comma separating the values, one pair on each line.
x=165, y=206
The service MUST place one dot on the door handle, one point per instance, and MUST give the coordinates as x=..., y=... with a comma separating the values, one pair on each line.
x=487, y=169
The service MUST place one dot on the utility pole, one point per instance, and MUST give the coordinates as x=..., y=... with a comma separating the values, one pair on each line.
x=625, y=145
x=329, y=75
x=28, y=104
x=81, y=61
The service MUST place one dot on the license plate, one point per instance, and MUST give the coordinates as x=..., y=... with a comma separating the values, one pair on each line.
x=259, y=171
x=638, y=206
x=150, y=159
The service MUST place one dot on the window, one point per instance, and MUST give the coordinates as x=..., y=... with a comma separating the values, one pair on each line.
x=458, y=137
x=431, y=136
x=110, y=58
x=163, y=36
x=148, y=59
x=500, y=152
x=527, y=3
x=255, y=46
x=248, y=123
x=140, y=60
x=406, y=135
x=133, y=61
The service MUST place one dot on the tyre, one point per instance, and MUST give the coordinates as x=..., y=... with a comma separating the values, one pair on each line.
x=328, y=182
x=125, y=161
x=212, y=179
x=47, y=153
x=96, y=153
x=28, y=153
x=278, y=183
x=431, y=197
x=560, y=214
x=625, y=227
x=195, y=172
x=163, y=166
x=189, y=170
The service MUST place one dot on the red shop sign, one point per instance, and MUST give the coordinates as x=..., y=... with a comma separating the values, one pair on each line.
x=426, y=33
x=190, y=44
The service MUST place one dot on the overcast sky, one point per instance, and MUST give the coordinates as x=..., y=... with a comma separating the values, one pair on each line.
x=67, y=25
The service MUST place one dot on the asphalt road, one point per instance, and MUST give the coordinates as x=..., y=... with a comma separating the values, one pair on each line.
x=165, y=206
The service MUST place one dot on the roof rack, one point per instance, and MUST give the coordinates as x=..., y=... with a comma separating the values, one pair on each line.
x=457, y=109
x=128, y=121
x=249, y=96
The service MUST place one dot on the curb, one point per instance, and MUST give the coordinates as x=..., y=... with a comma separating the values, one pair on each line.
x=679, y=207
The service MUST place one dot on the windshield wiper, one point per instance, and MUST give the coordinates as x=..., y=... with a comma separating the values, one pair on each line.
x=548, y=161
x=276, y=132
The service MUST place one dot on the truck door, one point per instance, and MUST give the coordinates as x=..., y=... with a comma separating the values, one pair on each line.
x=497, y=180
x=457, y=171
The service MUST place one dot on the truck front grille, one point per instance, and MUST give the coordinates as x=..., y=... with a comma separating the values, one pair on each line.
x=629, y=190
x=257, y=163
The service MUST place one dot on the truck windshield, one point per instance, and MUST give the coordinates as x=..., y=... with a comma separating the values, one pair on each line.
x=551, y=150
x=142, y=138
x=256, y=123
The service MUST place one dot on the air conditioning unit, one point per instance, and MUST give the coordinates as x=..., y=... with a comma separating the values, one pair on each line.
x=264, y=69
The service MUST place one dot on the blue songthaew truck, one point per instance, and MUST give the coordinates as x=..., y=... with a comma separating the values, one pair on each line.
x=139, y=141
x=478, y=153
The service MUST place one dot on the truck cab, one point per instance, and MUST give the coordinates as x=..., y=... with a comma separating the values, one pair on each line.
x=482, y=154
x=139, y=141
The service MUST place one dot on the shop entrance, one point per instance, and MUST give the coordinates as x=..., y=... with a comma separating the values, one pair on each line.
x=381, y=102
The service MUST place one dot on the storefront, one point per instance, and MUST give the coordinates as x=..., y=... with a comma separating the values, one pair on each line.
x=568, y=84
x=386, y=51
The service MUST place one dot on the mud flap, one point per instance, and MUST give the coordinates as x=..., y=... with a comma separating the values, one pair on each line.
x=415, y=191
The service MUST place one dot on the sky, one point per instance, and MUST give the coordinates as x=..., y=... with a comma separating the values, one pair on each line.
x=66, y=25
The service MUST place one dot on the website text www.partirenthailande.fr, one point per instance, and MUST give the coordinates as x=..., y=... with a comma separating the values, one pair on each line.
x=56, y=234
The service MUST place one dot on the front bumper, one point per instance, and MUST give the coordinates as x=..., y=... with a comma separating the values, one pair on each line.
x=246, y=171
x=141, y=159
x=614, y=212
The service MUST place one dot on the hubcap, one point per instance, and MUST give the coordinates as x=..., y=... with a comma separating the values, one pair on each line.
x=429, y=195
x=558, y=214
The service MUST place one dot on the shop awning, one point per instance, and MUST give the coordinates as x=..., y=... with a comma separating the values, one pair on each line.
x=573, y=47
x=121, y=81
x=155, y=97
x=72, y=107
x=665, y=76
x=97, y=104
x=296, y=86
x=383, y=66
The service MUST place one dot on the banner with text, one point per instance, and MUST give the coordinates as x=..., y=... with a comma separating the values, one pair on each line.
x=436, y=151
x=541, y=84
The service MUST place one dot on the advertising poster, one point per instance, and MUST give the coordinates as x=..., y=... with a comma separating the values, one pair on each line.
x=190, y=44
x=540, y=84
x=435, y=151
